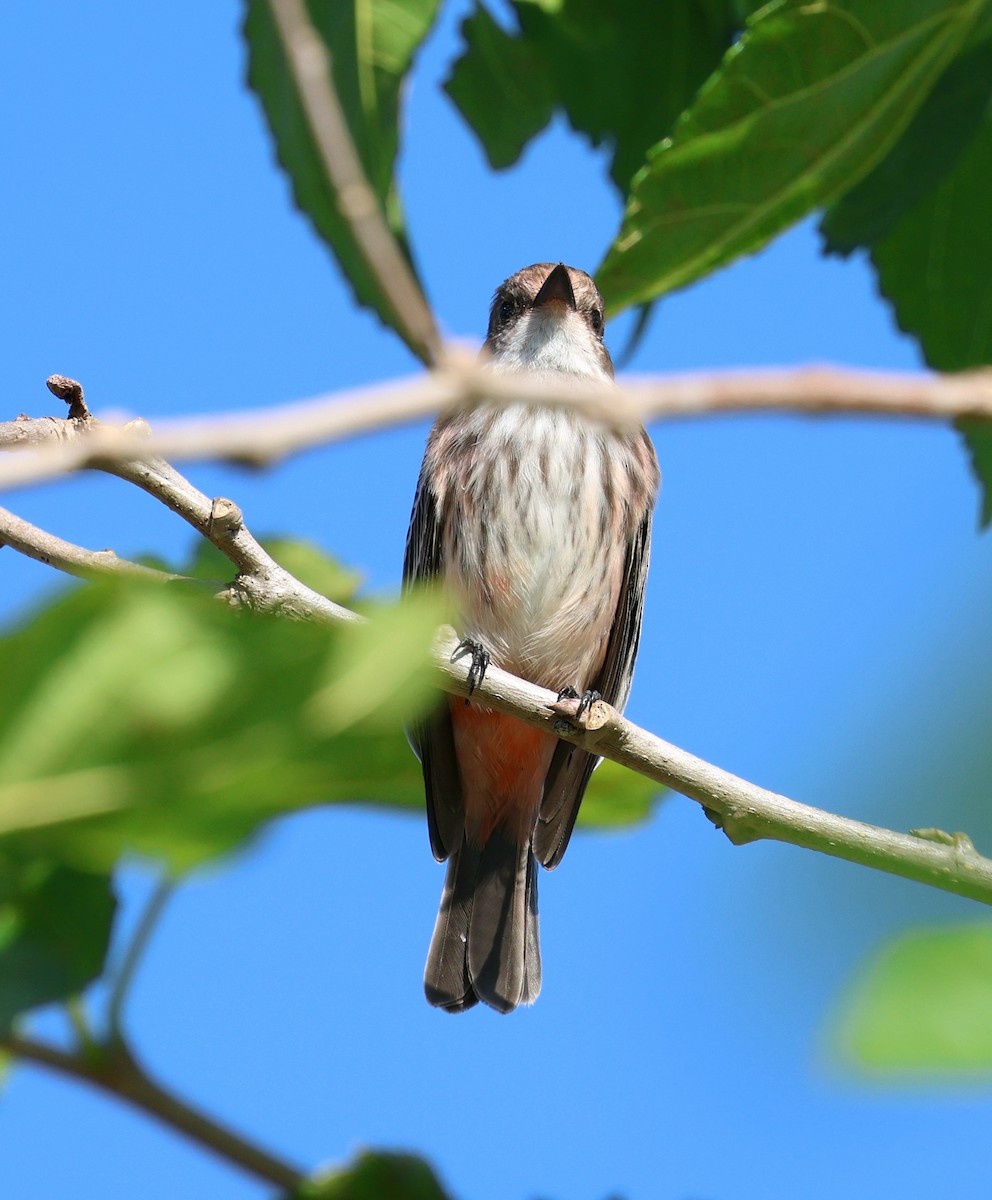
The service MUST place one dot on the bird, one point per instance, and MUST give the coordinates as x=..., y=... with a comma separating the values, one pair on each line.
x=536, y=519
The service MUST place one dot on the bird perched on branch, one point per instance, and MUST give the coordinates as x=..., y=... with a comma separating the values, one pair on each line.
x=538, y=520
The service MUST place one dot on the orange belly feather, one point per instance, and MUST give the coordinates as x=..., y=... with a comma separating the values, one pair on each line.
x=503, y=764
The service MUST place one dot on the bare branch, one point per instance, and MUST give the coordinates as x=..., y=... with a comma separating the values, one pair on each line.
x=28, y=539
x=310, y=63
x=261, y=583
x=115, y=1071
x=267, y=435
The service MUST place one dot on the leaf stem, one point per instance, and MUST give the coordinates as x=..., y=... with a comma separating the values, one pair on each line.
x=134, y=954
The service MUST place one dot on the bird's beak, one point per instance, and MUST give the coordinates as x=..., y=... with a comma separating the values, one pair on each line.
x=557, y=286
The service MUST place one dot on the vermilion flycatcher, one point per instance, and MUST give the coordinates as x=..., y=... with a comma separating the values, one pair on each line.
x=538, y=520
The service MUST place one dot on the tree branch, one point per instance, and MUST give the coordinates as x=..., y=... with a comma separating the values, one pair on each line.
x=310, y=64
x=261, y=583
x=268, y=435
x=114, y=1070
x=746, y=812
x=28, y=539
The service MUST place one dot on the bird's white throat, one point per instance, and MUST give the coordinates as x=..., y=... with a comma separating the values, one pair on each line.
x=551, y=339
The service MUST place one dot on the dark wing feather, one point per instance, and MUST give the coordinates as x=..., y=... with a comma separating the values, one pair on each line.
x=570, y=768
x=431, y=736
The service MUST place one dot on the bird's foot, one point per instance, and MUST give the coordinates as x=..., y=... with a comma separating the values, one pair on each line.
x=587, y=699
x=480, y=661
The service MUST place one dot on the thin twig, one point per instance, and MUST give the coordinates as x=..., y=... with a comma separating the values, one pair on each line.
x=54, y=551
x=262, y=583
x=268, y=435
x=133, y=955
x=116, y=1072
x=310, y=63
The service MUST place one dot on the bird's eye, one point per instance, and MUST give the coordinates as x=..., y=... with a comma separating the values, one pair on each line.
x=506, y=310
x=596, y=317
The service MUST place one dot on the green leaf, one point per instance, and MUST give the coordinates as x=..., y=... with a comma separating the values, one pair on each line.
x=617, y=797
x=621, y=72
x=935, y=268
x=809, y=100
x=923, y=220
x=500, y=87
x=158, y=721
x=382, y=670
x=937, y=136
x=55, y=927
x=377, y=1175
x=314, y=567
x=371, y=44
x=924, y=1005
x=978, y=442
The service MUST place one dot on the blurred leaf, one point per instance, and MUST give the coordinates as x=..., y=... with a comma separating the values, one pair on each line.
x=500, y=87
x=940, y=132
x=622, y=72
x=54, y=933
x=382, y=670
x=805, y=104
x=617, y=797
x=371, y=44
x=154, y=720
x=308, y=562
x=924, y=1004
x=377, y=1175
x=205, y=562
x=314, y=567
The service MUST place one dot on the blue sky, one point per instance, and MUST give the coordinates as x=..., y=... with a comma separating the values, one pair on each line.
x=816, y=621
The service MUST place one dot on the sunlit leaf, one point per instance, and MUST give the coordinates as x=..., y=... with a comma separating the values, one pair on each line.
x=806, y=103
x=922, y=214
x=155, y=720
x=371, y=44
x=382, y=669
x=938, y=135
x=924, y=1004
x=159, y=721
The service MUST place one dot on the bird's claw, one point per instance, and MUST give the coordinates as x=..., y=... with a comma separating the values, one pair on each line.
x=480, y=661
x=586, y=700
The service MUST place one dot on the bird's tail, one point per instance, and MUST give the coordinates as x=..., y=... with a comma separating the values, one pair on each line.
x=485, y=945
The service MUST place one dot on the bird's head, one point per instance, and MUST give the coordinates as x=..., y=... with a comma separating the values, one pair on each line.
x=549, y=319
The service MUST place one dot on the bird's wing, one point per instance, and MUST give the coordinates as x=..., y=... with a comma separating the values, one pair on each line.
x=571, y=767
x=431, y=736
